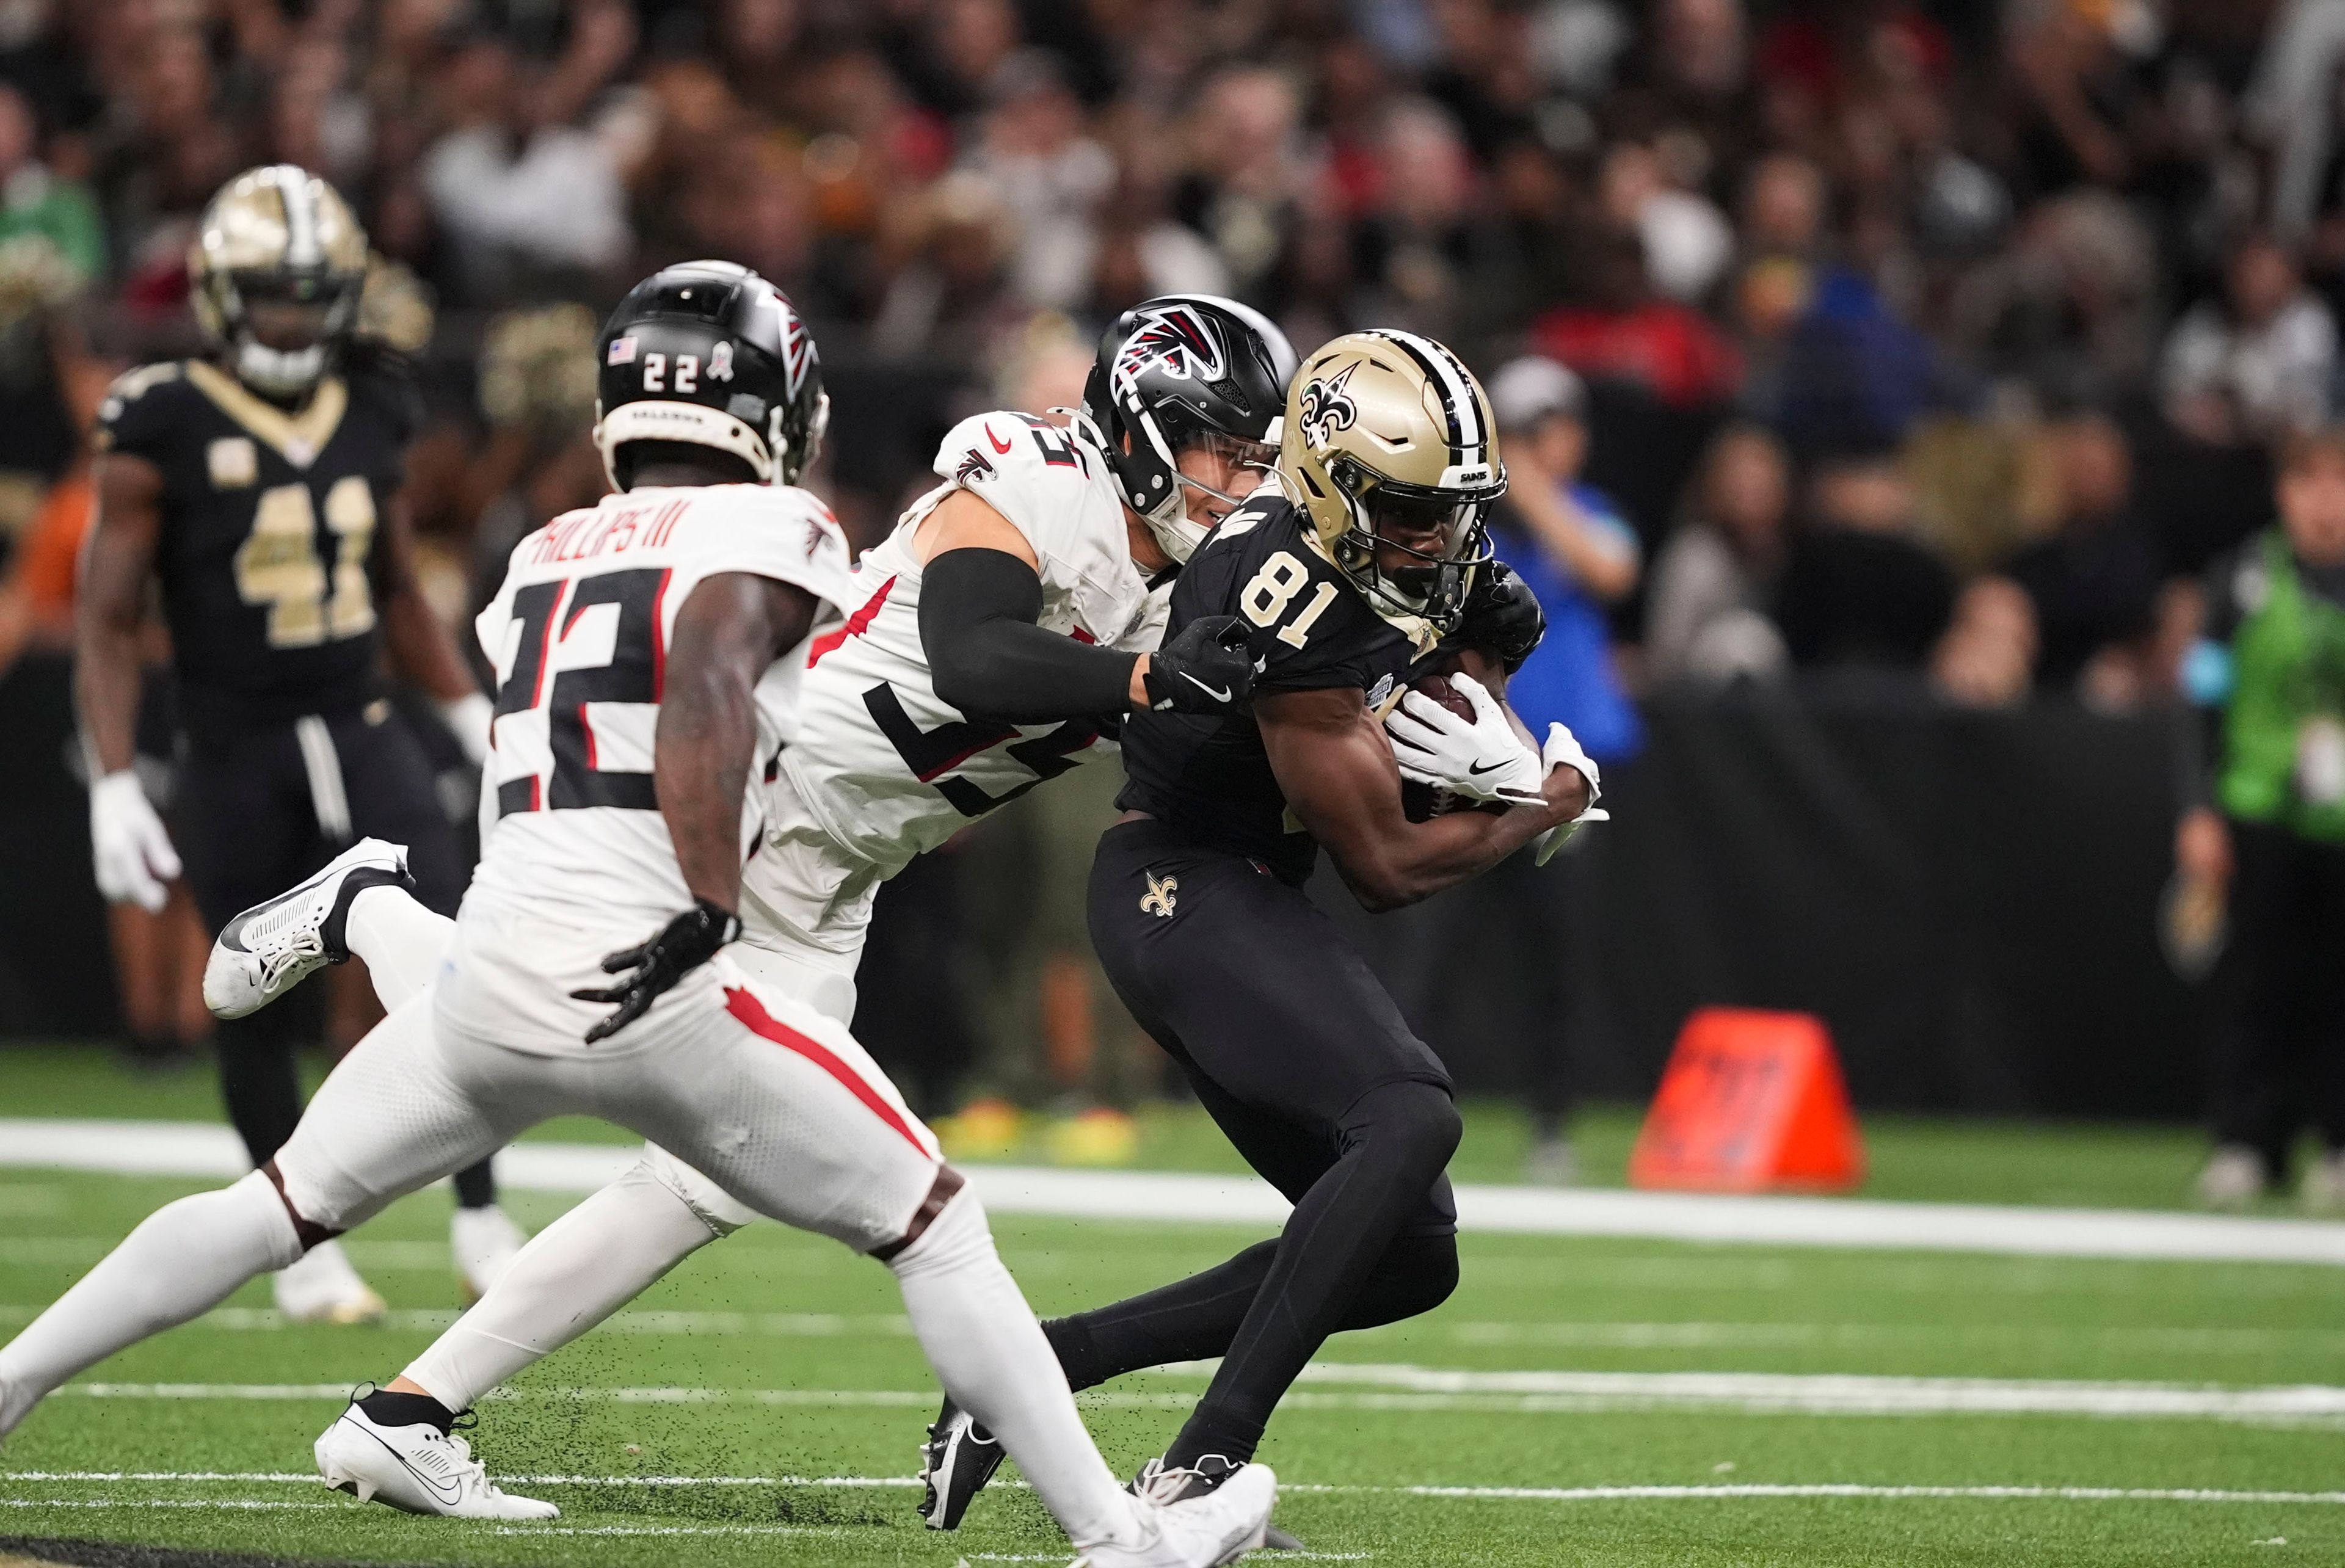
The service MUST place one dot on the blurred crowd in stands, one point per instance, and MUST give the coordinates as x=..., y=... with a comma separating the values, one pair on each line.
x=1918, y=346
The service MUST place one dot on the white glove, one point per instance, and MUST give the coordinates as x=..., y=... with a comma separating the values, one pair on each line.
x=134, y=854
x=468, y=719
x=1483, y=760
x=1563, y=750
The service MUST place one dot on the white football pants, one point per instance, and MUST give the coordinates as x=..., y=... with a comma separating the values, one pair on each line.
x=772, y=1099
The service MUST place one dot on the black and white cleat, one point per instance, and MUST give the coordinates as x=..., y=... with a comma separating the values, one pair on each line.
x=956, y=1463
x=415, y=1469
x=266, y=951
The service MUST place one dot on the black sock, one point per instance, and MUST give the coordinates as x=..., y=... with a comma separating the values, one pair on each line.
x=1215, y=1429
x=333, y=931
x=407, y=1410
x=476, y=1187
x=1187, y=1321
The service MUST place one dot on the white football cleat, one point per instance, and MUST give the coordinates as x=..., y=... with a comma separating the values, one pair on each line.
x=264, y=952
x=2233, y=1178
x=321, y=1286
x=419, y=1468
x=484, y=1241
x=1203, y=1531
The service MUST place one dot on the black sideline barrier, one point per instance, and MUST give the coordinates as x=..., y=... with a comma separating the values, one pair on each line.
x=1968, y=899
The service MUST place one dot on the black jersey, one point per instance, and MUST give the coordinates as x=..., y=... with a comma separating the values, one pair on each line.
x=1208, y=777
x=267, y=553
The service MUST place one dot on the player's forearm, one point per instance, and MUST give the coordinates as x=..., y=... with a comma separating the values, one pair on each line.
x=107, y=674
x=979, y=614
x=112, y=608
x=1408, y=862
x=708, y=730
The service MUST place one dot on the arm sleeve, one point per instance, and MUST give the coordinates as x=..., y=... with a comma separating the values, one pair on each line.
x=979, y=610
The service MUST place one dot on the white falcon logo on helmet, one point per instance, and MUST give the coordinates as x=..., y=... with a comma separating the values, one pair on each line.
x=1179, y=339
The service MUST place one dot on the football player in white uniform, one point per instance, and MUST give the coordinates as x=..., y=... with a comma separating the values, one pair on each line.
x=650, y=652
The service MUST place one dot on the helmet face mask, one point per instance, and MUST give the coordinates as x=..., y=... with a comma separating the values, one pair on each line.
x=1412, y=549
x=1175, y=376
x=275, y=275
x=1219, y=471
x=1390, y=451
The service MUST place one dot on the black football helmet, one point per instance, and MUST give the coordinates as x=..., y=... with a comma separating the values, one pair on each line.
x=1175, y=372
x=710, y=354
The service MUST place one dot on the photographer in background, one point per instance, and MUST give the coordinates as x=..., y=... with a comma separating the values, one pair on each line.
x=2267, y=836
x=1578, y=556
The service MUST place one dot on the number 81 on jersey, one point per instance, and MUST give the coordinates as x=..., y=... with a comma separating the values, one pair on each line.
x=1274, y=588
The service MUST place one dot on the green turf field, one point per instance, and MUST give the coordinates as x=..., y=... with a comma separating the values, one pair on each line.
x=770, y=1384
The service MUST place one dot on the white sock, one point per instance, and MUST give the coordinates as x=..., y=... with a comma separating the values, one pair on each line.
x=572, y=1274
x=401, y=941
x=183, y=1260
x=990, y=1354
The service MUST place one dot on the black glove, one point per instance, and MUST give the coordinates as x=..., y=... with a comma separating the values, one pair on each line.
x=1205, y=668
x=690, y=940
x=1502, y=617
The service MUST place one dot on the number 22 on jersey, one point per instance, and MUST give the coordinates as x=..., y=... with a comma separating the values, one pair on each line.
x=579, y=700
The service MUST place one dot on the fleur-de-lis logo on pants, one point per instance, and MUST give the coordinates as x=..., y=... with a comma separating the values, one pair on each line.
x=1160, y=897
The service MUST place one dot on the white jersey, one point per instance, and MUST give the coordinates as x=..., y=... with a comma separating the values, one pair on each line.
x=579, y=637
x=887, y=768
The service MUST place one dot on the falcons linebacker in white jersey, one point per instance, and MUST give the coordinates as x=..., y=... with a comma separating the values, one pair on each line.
x=650, y=652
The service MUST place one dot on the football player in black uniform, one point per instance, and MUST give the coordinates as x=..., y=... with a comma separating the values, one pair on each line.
x=260, y=487
x=1370, y=563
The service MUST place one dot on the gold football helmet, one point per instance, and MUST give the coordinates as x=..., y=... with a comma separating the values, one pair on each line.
x=276, y=269
x=1389, y=446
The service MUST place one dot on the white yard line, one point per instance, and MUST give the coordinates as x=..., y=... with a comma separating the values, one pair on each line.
x=1724, y=1491
x=1619, y=1336
x=1847, y=1394
x=1417, y=1388
x=200, y=1149
x=235, y=1503
x=671, y=1530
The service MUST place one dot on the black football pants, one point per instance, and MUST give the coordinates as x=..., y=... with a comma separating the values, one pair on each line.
x=2279, y=995
x=1298, y=1053
x=258, y=811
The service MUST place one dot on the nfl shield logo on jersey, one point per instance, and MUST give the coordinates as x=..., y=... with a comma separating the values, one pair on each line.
x=1160, y=897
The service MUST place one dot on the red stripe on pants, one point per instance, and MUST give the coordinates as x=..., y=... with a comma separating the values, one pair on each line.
x=750, y=1011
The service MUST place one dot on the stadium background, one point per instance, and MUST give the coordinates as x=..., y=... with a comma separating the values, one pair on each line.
x=1991, y=278
x=1924, y=245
